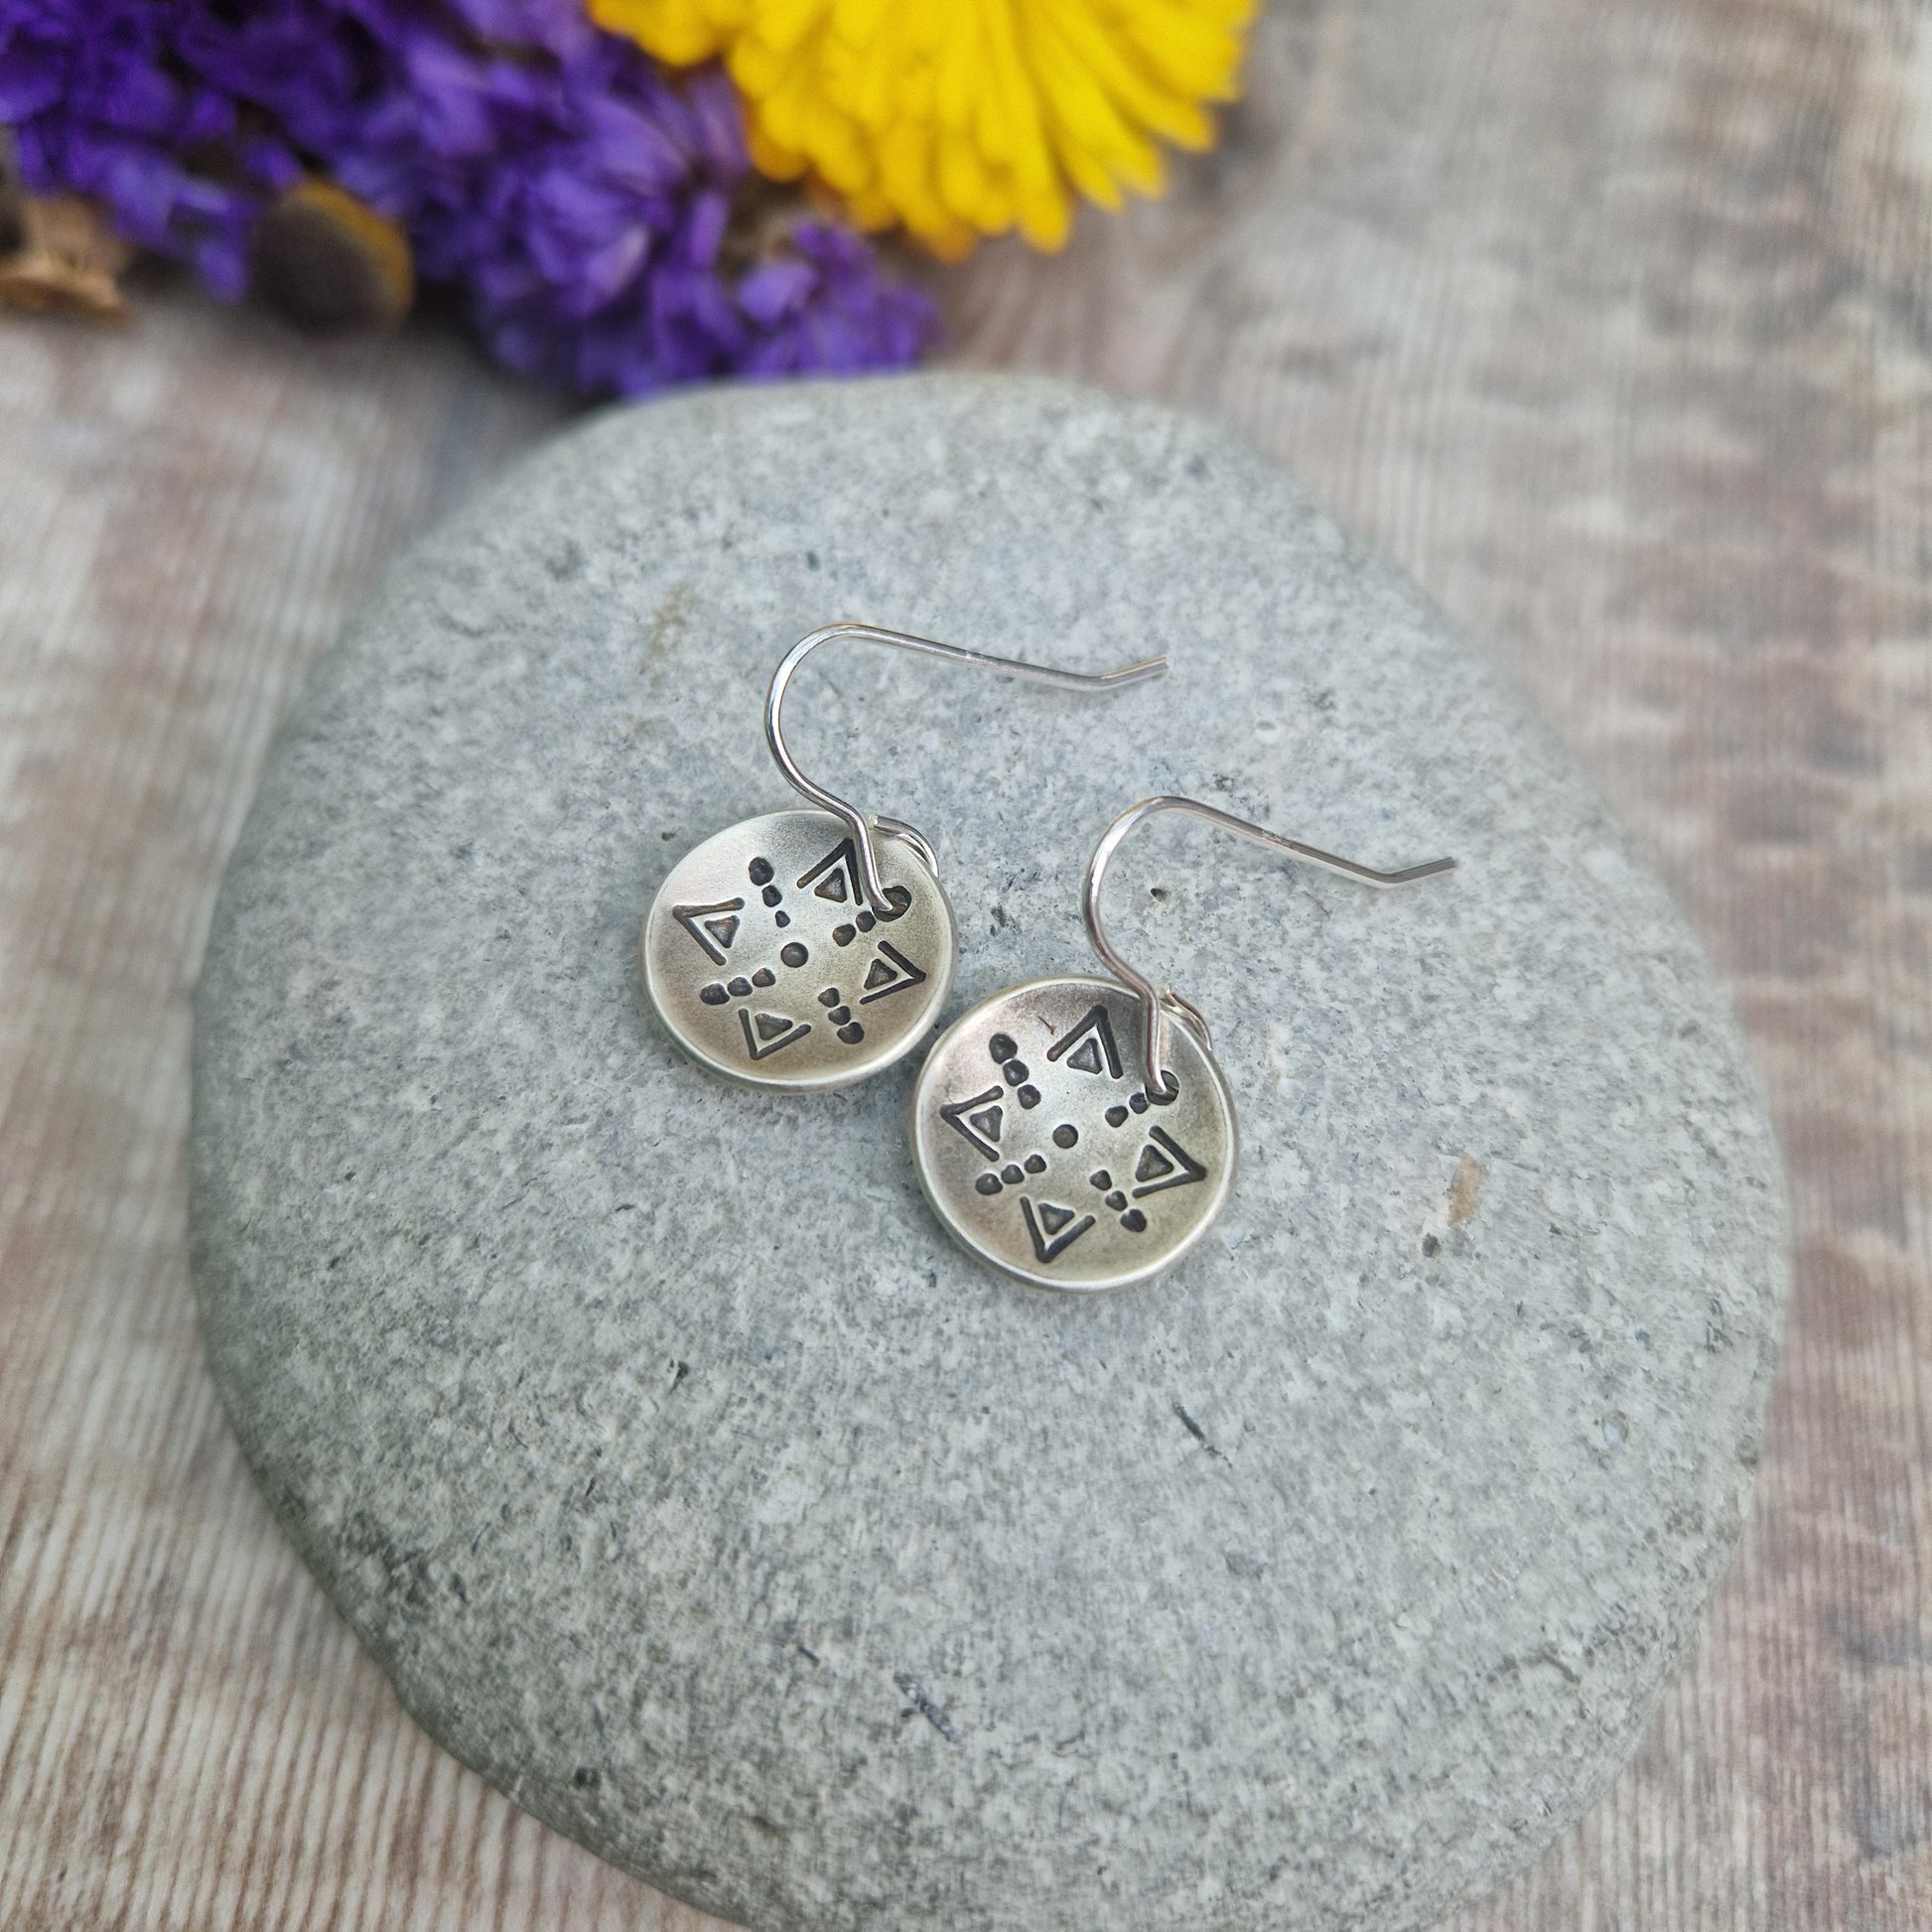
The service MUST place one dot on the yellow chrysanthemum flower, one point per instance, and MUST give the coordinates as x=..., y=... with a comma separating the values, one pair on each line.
x=960, y=117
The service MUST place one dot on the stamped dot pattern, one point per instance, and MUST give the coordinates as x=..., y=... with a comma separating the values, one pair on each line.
x=887, y=974
x=772, y=932
x=1082, y=1197
x=1015, y=1073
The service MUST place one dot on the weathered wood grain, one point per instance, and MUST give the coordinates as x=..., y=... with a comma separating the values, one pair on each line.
x=1609, y=319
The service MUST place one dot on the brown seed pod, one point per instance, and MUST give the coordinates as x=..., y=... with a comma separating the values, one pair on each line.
x=13, y=199
x=67, y=260
x=329, y=263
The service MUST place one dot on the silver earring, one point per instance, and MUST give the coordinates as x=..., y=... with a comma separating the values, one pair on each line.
x=809, y=949
x=1079, y=1132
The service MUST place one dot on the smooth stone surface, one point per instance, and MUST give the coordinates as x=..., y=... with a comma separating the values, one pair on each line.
x=679, y=1469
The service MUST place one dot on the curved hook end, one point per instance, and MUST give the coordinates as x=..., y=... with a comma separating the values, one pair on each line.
x=1432, y=868
x=1144, y=672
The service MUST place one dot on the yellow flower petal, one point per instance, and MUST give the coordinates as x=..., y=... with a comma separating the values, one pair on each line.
x=778, y=163
x=680, y=32
x=956, y=117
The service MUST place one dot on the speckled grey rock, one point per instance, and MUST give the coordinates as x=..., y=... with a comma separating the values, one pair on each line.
x=684, y=1478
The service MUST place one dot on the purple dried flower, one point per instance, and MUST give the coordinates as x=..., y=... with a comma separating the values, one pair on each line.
x=580, y=198
x=100, y=104
x=821, y=309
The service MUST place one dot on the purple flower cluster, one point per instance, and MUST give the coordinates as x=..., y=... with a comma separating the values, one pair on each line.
x=101, y=101
x=587, y=204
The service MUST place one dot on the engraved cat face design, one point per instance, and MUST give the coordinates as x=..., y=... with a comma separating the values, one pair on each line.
x=765, y=963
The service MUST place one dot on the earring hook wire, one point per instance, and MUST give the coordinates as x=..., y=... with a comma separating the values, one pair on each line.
x=857, y=822
x=1157, y=1001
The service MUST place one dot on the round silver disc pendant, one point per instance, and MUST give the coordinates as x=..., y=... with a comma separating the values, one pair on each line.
x=1039, y=1148
x=765, y=962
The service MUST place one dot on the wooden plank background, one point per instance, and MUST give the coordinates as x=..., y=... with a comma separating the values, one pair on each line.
x=1611, y=319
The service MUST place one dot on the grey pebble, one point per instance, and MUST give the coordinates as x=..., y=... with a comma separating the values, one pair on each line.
x=682, y=1475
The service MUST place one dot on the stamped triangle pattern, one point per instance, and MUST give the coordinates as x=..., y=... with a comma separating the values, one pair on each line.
x=714, y=928
x=767, y=1034
x=836, y=879
x=891, y=972
x=979, y=1119
x=1089, y=1047
x=1164, y=1164
x=836, y=875
x=983, y=1120
x=1053, y=1229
